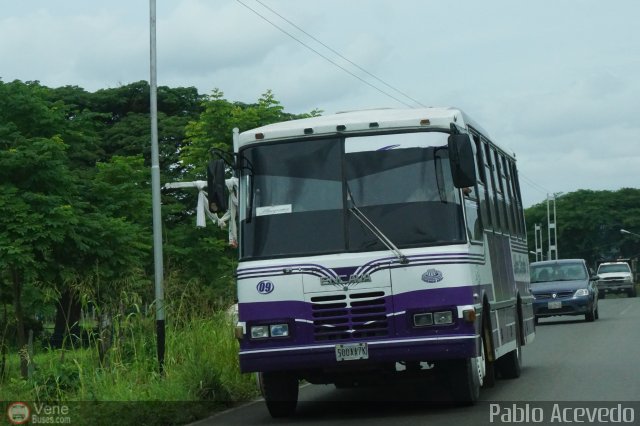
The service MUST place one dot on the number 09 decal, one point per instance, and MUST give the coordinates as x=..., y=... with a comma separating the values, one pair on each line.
x=265, y=287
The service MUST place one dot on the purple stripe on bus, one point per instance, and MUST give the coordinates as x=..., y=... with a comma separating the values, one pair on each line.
x=451, y=296
x=386, y=260
x=369, y=268
x=358, y=269
x=280, y=268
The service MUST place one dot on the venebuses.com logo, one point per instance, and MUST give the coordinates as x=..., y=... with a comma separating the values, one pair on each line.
x=19, y=413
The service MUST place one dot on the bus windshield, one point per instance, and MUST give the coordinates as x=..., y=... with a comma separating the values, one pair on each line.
x=300, y=193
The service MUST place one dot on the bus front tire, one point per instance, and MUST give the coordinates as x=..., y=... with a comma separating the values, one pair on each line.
x=462, y=376
x=280, y=392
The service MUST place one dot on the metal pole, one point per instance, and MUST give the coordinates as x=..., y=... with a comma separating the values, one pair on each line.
x=555, y=227
x=551, y=229
x=537, y=229
x=155, y=191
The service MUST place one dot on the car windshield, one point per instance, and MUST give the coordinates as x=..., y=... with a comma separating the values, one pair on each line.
x=605, y=269
x=557, y=272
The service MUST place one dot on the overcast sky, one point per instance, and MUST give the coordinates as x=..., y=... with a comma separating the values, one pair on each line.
x=555, y=81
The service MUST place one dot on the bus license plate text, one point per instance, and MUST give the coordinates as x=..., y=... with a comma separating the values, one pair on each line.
x=352, y=351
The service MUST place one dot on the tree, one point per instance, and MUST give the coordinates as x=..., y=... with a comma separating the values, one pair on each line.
x=76, y=199
x=114, y=184
x=215, y=125
x=589, y=223
x=62, y=223
x=35, y=214
x=108, y=248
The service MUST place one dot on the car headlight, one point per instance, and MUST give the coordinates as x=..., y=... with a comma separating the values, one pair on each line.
x=581, y=292
x=627, y=279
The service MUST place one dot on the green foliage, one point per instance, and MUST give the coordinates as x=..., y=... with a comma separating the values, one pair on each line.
x=57, y=381
x=36, y=204
x=75, y=228
x=26, y=112
x=201, y=367
x=215, y=125
x=589, y=223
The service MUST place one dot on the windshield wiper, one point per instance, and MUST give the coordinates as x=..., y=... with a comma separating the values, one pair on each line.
x=375, y=231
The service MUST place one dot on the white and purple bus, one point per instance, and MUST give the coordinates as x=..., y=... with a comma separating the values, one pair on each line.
x=378, y=244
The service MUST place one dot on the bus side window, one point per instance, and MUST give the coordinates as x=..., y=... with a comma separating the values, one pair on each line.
x=506, y=193
x=481, y=188
x=497, y=191
x=504, y=211
x=516, y=189
x=490, y=188
x=514, y=223
x=474, y=228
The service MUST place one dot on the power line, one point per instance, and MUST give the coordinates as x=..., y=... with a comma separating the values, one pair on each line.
x=533, y=184
x=341, y=56
x=527, y=180
x=323, y=56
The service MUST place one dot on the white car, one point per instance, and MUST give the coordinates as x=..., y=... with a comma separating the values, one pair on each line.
x=615, y=277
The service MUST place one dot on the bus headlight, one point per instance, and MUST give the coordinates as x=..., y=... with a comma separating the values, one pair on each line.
x=279, y=330
x=444, y=317
x=269, y=330
x=259, y=331
x=423, y=320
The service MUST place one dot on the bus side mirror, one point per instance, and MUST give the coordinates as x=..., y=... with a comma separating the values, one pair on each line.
x=463, y=169
x=216, y=188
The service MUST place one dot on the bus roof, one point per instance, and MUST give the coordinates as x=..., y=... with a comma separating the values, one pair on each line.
x=358, y=122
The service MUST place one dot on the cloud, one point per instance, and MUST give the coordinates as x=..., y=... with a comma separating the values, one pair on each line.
x=84, y=50
x=199, y=38
x=554, y=84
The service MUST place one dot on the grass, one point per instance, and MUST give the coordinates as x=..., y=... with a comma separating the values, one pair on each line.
x=201, y=374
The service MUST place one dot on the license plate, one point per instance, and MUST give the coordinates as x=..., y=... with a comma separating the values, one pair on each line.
x=554, y=305
x=352, y=351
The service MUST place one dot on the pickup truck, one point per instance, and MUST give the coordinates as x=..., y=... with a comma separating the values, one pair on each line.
x=615, y=277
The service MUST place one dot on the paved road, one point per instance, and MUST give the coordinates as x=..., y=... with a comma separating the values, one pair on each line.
x=572, y=363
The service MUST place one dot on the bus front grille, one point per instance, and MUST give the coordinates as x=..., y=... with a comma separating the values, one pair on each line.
x=345, y=316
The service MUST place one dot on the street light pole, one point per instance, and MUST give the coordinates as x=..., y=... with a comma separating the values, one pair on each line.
x=155, y=192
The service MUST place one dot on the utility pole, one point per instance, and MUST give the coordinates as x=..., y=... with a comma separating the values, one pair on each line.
x=155, y=192
x=538, y=239
x=551, y=230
